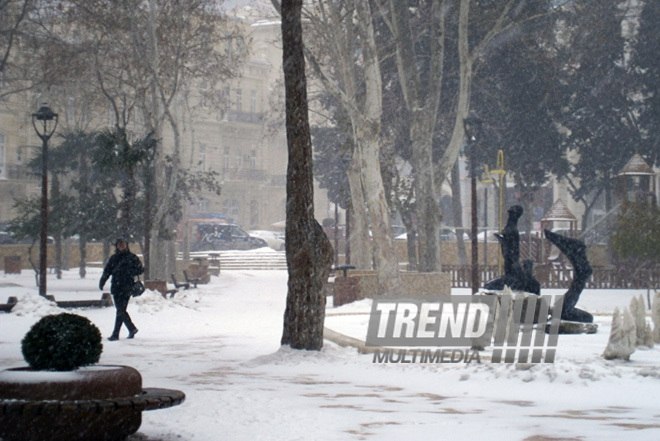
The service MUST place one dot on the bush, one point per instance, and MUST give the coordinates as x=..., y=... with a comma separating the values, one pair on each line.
x=637, y=234
x=62, y=342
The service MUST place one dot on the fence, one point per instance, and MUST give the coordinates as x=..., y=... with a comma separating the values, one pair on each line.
x=554, y=276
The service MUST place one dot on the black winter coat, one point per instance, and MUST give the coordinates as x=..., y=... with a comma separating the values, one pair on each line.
x=123, y=266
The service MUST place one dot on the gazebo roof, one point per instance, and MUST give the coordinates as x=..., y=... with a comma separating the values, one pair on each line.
x=559, y=212
x=636, y=166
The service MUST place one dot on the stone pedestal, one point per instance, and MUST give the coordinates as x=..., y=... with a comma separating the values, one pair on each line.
x=156, y=285
x=199, y=271
x=12, y=264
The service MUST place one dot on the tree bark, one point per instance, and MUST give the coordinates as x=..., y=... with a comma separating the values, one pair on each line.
x=308, y=251
x=358, y=236
x=422, y=100
x=366, y=127
x=351, y=27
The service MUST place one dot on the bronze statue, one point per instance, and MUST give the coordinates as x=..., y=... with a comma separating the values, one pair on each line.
x=516, y=276
x=520, y=277
x=576, y=252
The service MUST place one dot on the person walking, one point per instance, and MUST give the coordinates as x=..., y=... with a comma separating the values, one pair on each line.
x=123, y=266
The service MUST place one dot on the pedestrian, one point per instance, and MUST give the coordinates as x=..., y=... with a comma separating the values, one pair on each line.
x=123, y=266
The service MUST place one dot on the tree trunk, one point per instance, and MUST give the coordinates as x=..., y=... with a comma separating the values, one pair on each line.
x=422, y=100
x=351, y=25
x=360, y=243
x=82, y=247
x=428, y=213
x=366, y=129
x=308, y=250
x=385, y=258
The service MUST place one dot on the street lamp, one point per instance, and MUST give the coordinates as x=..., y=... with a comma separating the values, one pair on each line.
x=501, y=172
x=486, y=179
x=44, y=122
x=472, y=125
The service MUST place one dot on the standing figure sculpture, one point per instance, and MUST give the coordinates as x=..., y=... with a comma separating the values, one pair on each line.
x=516, y=276
x=575, y=251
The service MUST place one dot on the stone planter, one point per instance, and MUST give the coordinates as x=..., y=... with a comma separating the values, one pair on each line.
x=95, y=403
x=157, y=285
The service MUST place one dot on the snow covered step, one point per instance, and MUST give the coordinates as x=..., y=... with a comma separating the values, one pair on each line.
x=252, y=260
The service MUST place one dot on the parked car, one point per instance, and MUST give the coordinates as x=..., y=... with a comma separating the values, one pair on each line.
x=450, y=235
x=446, y=235
x=398, y=230
x=217, y=237
x=274, y=239
x=6, y=238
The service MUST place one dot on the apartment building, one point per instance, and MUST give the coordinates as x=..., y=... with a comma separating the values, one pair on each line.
x=245, y=143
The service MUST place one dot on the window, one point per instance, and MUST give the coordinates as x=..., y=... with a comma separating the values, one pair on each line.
x=3, y=165
x=202, y=94
x=253, y=160
x=226, y=101
x=239, y=100
x=226, y=164
x=202, y=157
x=230, y=207
x=202, y=205
x=70, y=110
x=239, y=161
x=254, y=212
x=253, y=101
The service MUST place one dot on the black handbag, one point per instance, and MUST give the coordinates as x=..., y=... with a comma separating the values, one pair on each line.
x=137, y=289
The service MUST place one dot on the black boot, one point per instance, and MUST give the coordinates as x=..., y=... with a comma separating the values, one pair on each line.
x=132, y=332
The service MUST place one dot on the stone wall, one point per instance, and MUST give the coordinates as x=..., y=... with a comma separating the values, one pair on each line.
x=94, y=254
x=358, y=285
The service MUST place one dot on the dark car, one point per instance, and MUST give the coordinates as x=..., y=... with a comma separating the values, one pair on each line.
x=6, y=238
x=217, y=237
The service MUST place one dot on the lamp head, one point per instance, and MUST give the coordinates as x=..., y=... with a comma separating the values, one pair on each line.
x=472, y=125
x=48, y=118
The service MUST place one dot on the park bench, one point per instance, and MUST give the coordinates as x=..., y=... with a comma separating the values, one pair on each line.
x=191, y=280
x=178, y=285
x=7, y=307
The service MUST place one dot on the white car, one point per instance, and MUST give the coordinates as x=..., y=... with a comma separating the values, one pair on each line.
x=273, y=239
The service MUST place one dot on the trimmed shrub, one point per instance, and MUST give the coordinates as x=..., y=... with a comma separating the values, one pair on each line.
x=62, y=342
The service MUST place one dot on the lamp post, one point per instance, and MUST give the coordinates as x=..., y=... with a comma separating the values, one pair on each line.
x=501, y=172
x=44, y=122
x=486, y=179
x=472, y=127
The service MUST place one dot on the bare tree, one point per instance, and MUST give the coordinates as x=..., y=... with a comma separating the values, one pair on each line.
x=347, y=64
x=421, y=98
x=13, y=19
x=308, y=251
x=145, y=56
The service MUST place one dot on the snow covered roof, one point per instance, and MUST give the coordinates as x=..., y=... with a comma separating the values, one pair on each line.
x=559, y=212
x=636, y=166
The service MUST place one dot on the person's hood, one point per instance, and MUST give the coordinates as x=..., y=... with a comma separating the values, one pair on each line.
x=118, y=241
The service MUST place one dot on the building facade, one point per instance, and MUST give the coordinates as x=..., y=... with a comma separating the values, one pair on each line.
x=245, y=143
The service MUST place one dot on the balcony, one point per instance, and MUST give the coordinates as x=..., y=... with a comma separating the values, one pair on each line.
x=245, y=175
x=244, y=117
x=18, y=172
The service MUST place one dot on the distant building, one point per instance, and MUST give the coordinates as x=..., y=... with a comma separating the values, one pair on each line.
x=246, y=143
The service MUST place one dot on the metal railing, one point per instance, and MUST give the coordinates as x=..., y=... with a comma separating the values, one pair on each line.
x=555, y=276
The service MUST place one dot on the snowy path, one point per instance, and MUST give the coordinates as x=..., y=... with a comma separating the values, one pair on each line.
x=220, y=345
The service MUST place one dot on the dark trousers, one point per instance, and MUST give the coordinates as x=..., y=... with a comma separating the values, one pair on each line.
x=121, y=303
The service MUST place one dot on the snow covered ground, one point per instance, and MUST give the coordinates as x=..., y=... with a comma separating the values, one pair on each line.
x=220, y=345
